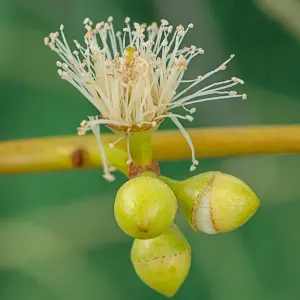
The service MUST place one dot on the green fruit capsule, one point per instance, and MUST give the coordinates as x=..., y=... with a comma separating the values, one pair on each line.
x=215, y=202
x=162, y=263
x=145, y=207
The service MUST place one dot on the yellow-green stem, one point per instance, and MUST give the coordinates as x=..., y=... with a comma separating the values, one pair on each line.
x=141, y=147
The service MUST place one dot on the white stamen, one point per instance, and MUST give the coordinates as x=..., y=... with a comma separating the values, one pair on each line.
x=189, y=141
x=96, y=131
x=113, y=144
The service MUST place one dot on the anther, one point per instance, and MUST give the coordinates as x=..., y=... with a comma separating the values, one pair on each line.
x=189, y=118
x=86, y=21
x=109, y=177
x=46, y=41
x=192, y=168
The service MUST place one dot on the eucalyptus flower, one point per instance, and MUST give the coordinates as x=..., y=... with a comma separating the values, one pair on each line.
x=133, y=77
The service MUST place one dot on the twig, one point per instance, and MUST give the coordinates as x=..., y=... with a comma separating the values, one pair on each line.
x=74, y=152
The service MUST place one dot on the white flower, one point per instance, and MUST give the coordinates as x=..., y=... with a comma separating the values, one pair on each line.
x=132, y=77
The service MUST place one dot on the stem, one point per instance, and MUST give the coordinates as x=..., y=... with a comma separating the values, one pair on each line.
x=74, y=152
x=57, y=154
x=141, y=147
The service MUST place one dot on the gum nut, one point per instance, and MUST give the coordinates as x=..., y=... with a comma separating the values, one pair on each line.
x=162, y=263
x=215, y=202
x=145, y=207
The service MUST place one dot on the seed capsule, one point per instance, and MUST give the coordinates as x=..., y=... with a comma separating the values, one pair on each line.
x=215, y=202
x=145, y=207
x=162, y=263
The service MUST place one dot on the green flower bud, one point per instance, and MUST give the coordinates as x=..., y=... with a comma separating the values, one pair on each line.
x=145, y=207
x=162, y=263
x=215, y=202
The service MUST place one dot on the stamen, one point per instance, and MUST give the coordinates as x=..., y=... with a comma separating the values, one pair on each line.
x=113, y=144
x=129, y=160
x=189, y=141
x=210, y=99
x=187, y=117
x=96, y=131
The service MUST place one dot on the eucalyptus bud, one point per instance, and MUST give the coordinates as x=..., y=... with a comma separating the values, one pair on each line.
x=215, y=202
x=145, y=207
x=162, y=263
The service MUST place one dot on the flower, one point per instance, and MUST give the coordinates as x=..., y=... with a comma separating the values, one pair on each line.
x=132, y=77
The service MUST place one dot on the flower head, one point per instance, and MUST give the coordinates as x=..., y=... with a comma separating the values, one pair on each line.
x=133, y=77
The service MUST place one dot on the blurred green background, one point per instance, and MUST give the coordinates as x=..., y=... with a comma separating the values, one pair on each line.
x=58, y=236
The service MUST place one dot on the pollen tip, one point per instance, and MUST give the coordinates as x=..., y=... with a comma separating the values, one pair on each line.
x=109, y=177
x=200, y=50
x=164, y=22
x=46, y=41
x=80, y=131
x=189, y=118
x=83, y=123
x=192, y=168
x=86, y=21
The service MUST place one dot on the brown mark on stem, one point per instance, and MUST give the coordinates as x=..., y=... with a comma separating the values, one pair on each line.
x=78, y=157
